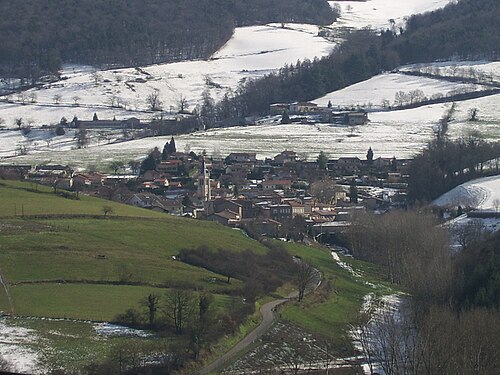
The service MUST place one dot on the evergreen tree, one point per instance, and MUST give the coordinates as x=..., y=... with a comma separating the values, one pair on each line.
x=172, y=147
x=369, y=156
x=322, y=161
x=95, y=117
x=285, y=118
x=353, y=192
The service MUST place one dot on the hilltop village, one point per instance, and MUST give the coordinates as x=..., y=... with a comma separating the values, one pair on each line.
x=281, y=196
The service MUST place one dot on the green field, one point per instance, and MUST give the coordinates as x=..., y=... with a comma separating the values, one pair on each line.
x=330, y=316
x=134, y=247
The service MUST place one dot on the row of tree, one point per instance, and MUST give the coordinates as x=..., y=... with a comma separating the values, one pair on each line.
x=449, y=323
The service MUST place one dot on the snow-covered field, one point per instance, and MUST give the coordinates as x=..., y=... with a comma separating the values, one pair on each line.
x=372, y=93
x=484, y=71
x=251, y=53
x=377, y=13
x=396, y=133
x=482, y=193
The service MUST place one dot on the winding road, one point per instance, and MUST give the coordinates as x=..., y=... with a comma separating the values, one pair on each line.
x=268, y=318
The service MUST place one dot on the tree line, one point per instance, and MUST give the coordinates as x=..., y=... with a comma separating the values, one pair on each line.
x=463, y=29
x=449, y=322
x=36, y=36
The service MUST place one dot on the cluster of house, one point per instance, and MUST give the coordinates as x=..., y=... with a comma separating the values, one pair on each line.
x=270, y=192
x=323, y=114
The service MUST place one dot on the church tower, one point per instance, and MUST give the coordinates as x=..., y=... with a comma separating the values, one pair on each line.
x=204, y=189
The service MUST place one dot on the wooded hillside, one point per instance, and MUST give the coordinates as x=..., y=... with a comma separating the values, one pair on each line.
x=465, y=30
x=37, y=35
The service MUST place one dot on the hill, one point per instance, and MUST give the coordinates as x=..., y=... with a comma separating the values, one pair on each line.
x=36, y=36
x=75, y=262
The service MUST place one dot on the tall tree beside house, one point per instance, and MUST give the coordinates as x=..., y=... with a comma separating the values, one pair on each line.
x=369, y=156
x=322, y=161
x=168, y=149
x=151, y=161
x=285, y=118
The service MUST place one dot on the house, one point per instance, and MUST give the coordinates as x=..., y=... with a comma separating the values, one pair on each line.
x=225, y=217
x=279, y=108
x=356, y=118
x=280, y=212
x=347, y=164
x=303, y=107
x=277, y=184
x=242, y=157
x=298, y=209
x=88, y=180
x=285, y=157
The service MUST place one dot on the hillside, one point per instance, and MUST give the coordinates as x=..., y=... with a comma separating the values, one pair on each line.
x=108, y=262
x=37, y=36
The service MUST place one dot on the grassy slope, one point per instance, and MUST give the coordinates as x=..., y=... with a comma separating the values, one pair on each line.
x=136, y=249
x=330, y=317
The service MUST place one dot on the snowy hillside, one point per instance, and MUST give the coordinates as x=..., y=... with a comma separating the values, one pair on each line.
x=250, y=53
x=377, y=13
x=482, y=193
x=373, y=92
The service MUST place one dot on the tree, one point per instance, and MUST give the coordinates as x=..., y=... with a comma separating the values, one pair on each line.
x=353, y=192
x=134, y=165
x=151, y=302
x=2, y=122
x=82, y=137
x=322, y=161
x=324, y=190
x=305, y=275
x=76, y=99
x=19, y=122
x=33, y=97
x=329, y=105
x=369, y=156
x=94, y=118
x=400, y=98
x=57, y=98
x=116, y=165
x=96, y=77
x=179, y=308
x=182, y=103
x=153, y=100
x=107, y=210
x=473, y=114
x=207, y=111
x=285, y=118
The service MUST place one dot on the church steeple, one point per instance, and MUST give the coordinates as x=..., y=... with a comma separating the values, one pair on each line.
x=204, y=189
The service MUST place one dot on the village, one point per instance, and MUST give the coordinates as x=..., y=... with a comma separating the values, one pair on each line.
x=280, y=197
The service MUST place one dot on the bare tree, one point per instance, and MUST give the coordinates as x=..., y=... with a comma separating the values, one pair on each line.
x=76, y=99
x=496, y=204
x=57, y=98
x=470, y=232
x=182, y=104
x=153, y=100
x=33, y=97
x=96, y=77
x=179, y=308
x=305, y=275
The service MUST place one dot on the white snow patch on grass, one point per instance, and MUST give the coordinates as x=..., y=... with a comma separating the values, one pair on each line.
x=15, y=348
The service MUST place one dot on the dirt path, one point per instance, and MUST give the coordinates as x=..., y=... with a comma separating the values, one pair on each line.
x=268, y=318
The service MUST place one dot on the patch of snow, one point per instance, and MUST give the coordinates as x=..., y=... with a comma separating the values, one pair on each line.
x=15, y=348
x=108, y=330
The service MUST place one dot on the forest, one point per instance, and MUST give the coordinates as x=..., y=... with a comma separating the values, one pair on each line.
x=467, y=29
x=37, y=36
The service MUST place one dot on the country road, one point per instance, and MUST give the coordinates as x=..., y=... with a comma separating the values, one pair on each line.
x=268, y=319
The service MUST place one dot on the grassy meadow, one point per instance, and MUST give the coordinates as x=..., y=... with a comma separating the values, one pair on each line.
x=66, y=265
